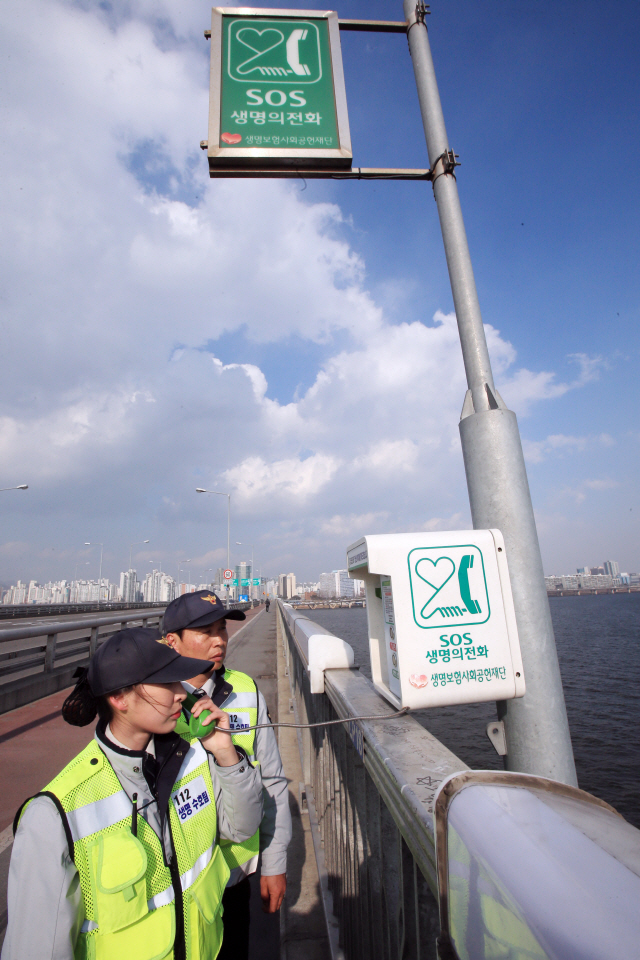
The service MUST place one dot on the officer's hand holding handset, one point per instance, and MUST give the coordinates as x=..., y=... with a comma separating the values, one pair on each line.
x=210, y=719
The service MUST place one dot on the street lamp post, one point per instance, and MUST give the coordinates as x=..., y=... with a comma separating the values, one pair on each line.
x=131, y=546
x=22, y=486
x=184, y=561
x=88, y=543
x=228, y=496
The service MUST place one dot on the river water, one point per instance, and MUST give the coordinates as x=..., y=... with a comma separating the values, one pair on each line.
x=598, y=639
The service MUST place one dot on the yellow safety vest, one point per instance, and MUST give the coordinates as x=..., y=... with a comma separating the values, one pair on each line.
x=127, y=890
x=242, y=707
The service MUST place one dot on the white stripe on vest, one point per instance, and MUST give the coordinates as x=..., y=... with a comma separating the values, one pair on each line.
x=195, y=756
x=241, y=700
x=99, y=815
x=110, y=810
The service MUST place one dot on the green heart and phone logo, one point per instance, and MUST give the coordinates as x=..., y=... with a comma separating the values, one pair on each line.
x=436, y=574
x=260, y=42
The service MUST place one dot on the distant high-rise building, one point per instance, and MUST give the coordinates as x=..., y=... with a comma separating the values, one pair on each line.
x=287, y=585
x=585, y=570
x=129, y=587
x=327, y=585
x=611, y=568
x=344, y=584
x=338, y=583
x=597, y=571
x=158, y=587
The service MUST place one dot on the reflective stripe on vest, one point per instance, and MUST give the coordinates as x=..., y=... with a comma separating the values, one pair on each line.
x=127, y=889
x=242, y=702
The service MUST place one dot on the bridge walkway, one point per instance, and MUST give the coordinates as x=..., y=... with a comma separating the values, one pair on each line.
x=35, y=743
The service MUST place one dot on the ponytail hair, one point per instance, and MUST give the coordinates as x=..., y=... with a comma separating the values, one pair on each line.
x=80, y=707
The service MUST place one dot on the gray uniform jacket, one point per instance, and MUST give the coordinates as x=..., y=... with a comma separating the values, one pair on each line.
x=44, y=897
x=275, y=829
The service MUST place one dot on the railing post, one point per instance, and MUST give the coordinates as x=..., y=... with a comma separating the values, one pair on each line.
x=93, y=641
x=50, y=652
x=145, y=621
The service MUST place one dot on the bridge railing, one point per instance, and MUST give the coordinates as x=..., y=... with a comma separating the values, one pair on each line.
x=20, y=611
x=39, y=659
x=369, y=790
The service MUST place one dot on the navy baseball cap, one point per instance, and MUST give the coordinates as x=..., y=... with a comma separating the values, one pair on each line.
x=198, y=609
x=135, y=656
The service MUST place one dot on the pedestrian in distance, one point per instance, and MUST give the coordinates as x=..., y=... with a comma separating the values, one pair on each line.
x=119, y=857
x=195, y=626
x=267, y=604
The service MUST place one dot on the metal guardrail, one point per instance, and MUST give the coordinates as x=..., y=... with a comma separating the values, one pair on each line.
x=18, y=611
x=29, y=671
x=370, y=788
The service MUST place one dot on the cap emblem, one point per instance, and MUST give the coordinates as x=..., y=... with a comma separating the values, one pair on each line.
x=210, y=599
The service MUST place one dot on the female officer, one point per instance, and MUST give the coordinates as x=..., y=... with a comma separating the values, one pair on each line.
x=118, y=857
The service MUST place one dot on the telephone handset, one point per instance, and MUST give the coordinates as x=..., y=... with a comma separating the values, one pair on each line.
x=196, y=727
x=463, y=581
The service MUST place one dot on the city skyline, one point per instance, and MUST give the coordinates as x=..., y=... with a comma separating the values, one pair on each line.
x=243, y=568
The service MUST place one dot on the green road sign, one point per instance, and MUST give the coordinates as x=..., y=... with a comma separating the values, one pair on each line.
x=234, y=582
x=245, y=583
x=277, y=94
x=256, y=581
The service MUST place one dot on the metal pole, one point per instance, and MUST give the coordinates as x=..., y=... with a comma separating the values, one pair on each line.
x=100, y=574
x=228, y=531
x=536, y=727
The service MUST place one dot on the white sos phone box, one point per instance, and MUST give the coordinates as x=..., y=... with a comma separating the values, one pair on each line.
x=442, y=627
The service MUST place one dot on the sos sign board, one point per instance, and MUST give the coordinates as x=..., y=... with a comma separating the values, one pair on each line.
x=277, y=95
x=442, y=626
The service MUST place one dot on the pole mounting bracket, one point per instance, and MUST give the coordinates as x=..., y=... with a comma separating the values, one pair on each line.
x=419, y=15
x=445, y=164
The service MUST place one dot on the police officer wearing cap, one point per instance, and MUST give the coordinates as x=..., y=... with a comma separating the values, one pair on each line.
x=195, y=626
x=119, y=857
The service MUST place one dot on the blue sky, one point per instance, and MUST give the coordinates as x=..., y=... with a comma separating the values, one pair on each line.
x=293, y=343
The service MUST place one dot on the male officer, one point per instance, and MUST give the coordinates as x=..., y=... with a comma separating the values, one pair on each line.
x=197, y=622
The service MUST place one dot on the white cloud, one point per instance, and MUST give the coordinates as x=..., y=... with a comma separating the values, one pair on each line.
x=267, y=483
x=536, y=451
x=353, y=525
x=457, y=521
x=580, y=492
x=523, y=387
x=125, y=265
